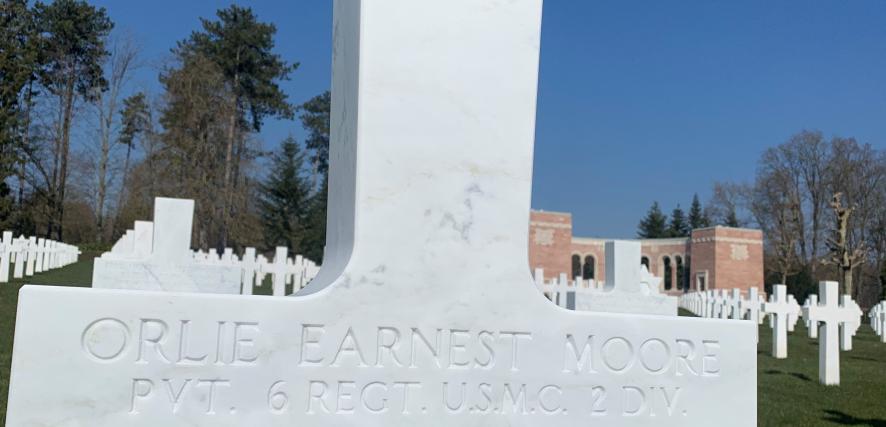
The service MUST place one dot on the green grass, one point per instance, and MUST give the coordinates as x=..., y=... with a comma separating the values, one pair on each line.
x=789, y=393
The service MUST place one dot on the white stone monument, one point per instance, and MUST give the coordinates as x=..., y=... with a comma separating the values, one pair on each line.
x=424, y=313
x=811, y=326
x=781, y=311
x=627, y=289
x=156, y=256
x=830, y=316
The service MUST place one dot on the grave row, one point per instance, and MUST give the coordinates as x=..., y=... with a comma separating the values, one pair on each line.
x=26, y=256
x=831, y=320
x=284, y=270
x=156, y=256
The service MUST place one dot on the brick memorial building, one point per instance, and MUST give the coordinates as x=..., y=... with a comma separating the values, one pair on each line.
x=711, y=258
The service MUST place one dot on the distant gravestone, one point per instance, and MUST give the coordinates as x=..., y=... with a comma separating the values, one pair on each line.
x=850, y=325
x=156, y=256
x=627, y=288
x=424, y=313
x=781, y=311
x=5, y=256
x=812, y=327
x=829, y=315
x=249, y=265
x=751, y=307
x=32, y=254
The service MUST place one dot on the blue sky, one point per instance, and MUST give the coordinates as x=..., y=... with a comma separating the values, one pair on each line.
x=638, y=100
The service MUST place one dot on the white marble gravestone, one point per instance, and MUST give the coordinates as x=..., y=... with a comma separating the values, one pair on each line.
x=627, y=289
x=424, y=313
x=812, y=327
x=830, y=316
x=156, y=256
x=5, y=256
x=781, y=311
x=849, y=326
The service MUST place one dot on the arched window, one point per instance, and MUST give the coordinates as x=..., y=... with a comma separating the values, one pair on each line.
x=645, y=261
x=576, y=266
x=687, y=274
x=679, y=261
x=668, y=283
x=587, y=271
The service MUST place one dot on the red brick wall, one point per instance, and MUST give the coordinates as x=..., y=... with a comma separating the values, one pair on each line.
x=550, y=240
x=730, y=257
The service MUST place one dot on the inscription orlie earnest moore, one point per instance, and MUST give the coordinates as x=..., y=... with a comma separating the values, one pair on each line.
x=236, y=344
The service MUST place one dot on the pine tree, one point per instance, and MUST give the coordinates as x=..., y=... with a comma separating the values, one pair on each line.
x=732, y=219
x=243, y=49
x=697, y=217
x=284, y=199
x=678, y=226
x=654, y=225
x=74, y=34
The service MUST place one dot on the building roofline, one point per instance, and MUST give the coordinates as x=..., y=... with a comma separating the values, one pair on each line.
x=551, y=212
x=714, y=227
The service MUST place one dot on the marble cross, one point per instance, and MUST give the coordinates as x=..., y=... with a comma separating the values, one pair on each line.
x=32, y=253
x=793, y=316
x=751, y=307
x=38, y=256
x=850, y=326
x=249, y=265
x=812, y=328
x=733, y=304
x=879, y=320
x=5, y=255
x=780, y=310
x=278, y=270
x=19, y=248
x=828, y=315
x=424, y=306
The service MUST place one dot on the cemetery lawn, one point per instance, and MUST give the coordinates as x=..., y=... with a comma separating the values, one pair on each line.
x=789, y=393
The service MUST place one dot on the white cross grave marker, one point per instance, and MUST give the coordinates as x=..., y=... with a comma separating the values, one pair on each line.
x=850, y=326
x=780, y=309
x=5, y=255
x=811, y=327
x=424, y=297
x=249, y=265
x=830, y=314
x=32, y=254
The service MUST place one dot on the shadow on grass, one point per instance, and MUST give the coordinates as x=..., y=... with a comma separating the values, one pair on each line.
x=843, y=418
x=803, y=377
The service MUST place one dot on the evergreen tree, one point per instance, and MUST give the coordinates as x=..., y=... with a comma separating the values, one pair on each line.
x=697, y=217
x=678, y=226
x=315, y=119
x=242, y=48
x=73, y=44
x=315, y=235
x=732, y=219
x=284, y=199
x=654, y=225
x=314, y=116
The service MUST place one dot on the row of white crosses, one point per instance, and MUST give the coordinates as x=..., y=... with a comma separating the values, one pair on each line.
x=877, y=316
x=831, y=319
x=26, y=256
x=723, y=304
x=297, y=271
x=558, y=289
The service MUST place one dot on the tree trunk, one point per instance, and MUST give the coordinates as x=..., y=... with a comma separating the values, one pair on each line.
x=229, y=155
x=847, y=282
x=66, y=145
x=104, y=153
x=123, y=184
